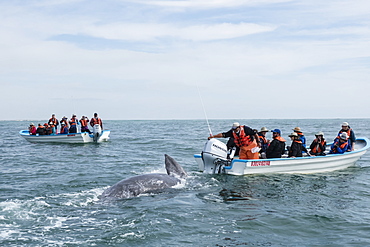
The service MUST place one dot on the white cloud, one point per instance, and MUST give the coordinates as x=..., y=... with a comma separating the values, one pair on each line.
x=150, y=32
x=210, y=3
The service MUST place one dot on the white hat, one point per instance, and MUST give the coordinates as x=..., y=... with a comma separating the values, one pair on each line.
x=235, y=125
x=263, y=129
x=345, y=124
x=320, y=133
x=293, y=134
x=344, y=136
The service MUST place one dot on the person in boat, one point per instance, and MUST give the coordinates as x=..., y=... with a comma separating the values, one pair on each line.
x=340, y=145
x=63, y=128
x=65, y=121
x=263, y=140
x=301, y=136
x=73, y=124
x=245, y=138
x=96, y=120
x=40, y=130
x=52, y=127
x=230, y=146
x=296, y=149
x=277, y=146
x=48, y=129
x=318, y=145
x=54, y=121
x=32, y=129
x=351, y=136
x=84, y=124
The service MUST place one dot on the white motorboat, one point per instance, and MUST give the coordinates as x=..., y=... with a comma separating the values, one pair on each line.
x=98, y=135
x=213, y=160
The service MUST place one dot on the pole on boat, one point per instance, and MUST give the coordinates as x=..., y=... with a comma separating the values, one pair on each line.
x=205, y=114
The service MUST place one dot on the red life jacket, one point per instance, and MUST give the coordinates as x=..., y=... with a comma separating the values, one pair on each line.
x=317, y=148
x=242, y=139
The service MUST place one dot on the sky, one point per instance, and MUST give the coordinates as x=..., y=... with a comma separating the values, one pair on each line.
x=186, y=59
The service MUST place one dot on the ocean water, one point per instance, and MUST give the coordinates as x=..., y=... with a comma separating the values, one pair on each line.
x=49, y=193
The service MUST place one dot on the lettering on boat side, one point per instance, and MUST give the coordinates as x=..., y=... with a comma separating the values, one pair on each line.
x=71, y=135
x=260, y=163
x=216, y=146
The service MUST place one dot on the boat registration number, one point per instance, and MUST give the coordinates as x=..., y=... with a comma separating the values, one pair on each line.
x=260, y=163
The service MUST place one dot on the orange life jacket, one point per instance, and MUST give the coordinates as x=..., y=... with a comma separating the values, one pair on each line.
x=83, y=122
x=343, y=145
x=348, y=133
x=53, y=120
x=279, y=138
x=317, y=148
x=73, y=121
x=242, y=139
x=263, y=138
x=94, y=121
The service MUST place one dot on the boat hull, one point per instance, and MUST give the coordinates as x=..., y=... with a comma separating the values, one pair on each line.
x=83, y=137
x=303, y=165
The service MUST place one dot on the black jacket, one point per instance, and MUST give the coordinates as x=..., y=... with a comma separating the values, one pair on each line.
x=276, y=149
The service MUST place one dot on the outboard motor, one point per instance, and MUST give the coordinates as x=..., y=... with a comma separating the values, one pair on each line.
x=214, y=156
x=96, y=132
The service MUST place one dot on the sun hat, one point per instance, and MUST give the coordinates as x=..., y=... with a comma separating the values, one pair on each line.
x=235, y=125
x=344, y=136
x=264, y=129
x=293, y=134
x=345, y=124
x=297, y=129
x=320, y=133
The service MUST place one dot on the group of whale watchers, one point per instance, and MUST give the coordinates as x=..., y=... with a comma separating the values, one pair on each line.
x=66, y=126
x=252, y=144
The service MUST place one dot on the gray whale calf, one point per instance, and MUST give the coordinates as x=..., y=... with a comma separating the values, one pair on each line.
x=147, y=183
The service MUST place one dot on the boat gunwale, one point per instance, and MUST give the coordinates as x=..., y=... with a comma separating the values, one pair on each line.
x=352, y=153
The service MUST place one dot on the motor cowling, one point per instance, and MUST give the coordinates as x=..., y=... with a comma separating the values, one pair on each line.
x=97, y=132
x=214, y=156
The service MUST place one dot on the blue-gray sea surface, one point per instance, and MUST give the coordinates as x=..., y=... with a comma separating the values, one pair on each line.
x=49, y=193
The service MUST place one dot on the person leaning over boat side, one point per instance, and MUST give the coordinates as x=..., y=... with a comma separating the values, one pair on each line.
x=63, y=128
x=54, y=121
x=340, y=145
x=277, y=145
x=40, y=130
x=301, y=136
x=32, y=129
x=318, y=145
x=73, y=124
x=263, y=141
x=84, y=124
x=351, y=136
x=245, y=138
x=296, y=149
x=96, y=120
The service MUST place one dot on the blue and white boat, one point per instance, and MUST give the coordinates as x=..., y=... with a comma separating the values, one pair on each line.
x=98, y=135
x=213, y=160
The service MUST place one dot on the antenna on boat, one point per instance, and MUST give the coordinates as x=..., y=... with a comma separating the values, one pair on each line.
x=204, y=110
